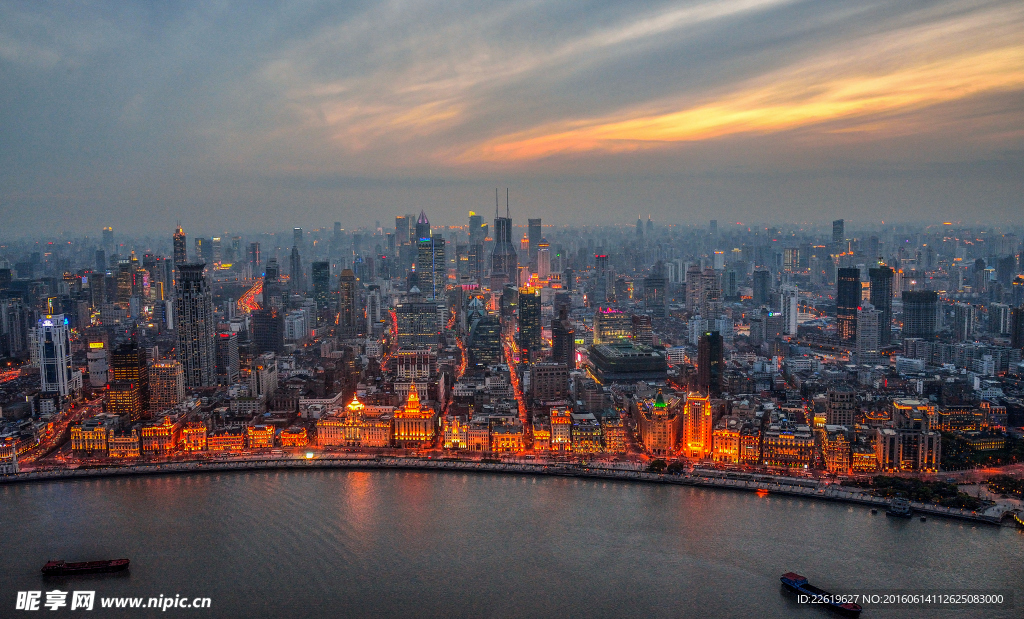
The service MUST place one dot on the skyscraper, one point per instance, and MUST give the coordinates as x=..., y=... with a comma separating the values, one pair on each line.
x=762, y=286
x=431, y=268
x=108, y=239
x=226, y=355
x=418, y=324
x=710, y=363
x=349, y=318
x=321, y=273
x=129, y=381
x=504, y=259
x=964, y=317
x=180, y=247
x=529, y=322
x=838, y=234
x=655, y=286
x=254, y=258
x=193, y=309
x=710, y=294
x=919, y=313
x=166, y=385
x=268, y=330
x=485, y=344
x=868, y=319
x=298, y=238
x=790, y=299
x=296, y=282
x=53, y=343
x=881, y=299
x=563, y=339
x=697, y=430
x=1017, y=327
x=848, y=292
x=534, y=235
x=202, y=248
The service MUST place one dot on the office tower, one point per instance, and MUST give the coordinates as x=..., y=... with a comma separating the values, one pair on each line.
x=98, y=364
x=431, y=268
x=642, y=330
x=639, y=227
x=236, y=250
x=534, y=235
x=848, y=293
x=298, y=238
x=569, y=280
x=217, y=250
x=710, y=364
x=485, y=348
x=1017, y=327
x=840, y=406
x=418, y=323
x=919, y=313
x=762, y=287
x=694, y=289
x=226, y=357
x=53, y=349
x=868, y=319
x=881, y=299
x=349, y=318
x=108, y=239
x=321, y=273
x=272, y=285
x=790, y=301
x=710, y=294
x=374, y=312
x=611, y=326
x=563, y=339
x=101, y=261
x=268, y=330
x=504, y=259
x=543, y=260
x=838, y=234
x=964, y=317
x=129, y=381
x=713, y=227
x=477, y=229
x=166, y=385
x=254, y=258
x=193, y=311
x=529, y=323
x=598, y=290
x=180, y=247
x=697, y=432
x=650, y=226
x=201, y=249
x=296, y=281
x=655, y=285
x=999, y=319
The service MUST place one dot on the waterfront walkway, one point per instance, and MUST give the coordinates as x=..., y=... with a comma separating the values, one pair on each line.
x=788, y=486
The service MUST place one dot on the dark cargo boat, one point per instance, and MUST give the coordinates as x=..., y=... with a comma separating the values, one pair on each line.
x=798, y=584
x=62, y=568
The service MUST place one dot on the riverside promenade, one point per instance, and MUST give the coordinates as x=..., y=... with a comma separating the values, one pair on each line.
x=785, y=486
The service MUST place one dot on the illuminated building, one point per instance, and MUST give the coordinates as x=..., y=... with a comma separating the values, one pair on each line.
x=549, y=381
x=863, y=460
x=9, y=457
x=53, y=344
x=89, y=438
x=881, y=299
x=750, y=444
x=124, y=445
x=259, y=437
x=725, y=444
x=415, y=363
x=563, y=339
x=225, y=440
x=541, y=436
x=867, y=347
x=455, y=432
x=848, y=299
x=611, y=326
x=485, y=348
x=193, y=311
x=430, y=260
x=613, y=432
x=124, y=398
x=226, y=357
x=787, y=445
x=263, y=377
x=330, y=431
x=180, y=247
x=529, y=322
x=160, y=438
x=129, y=371
x=561, y=430
x=659, y=424
x=377, y=431
x=983, y=441
x=414, y=425
x=627, y=363
x=506, y=438
x=642, y=331
x=294, y=437
x=418, y=324
x=98, y=364
x=543, y=260
x=957, y=419
x=166, y=385
x=836, y=450
x=697, y=435
x=504, y=259
x=586, y=434
x=193, y=437
x=710, y=363
x=912, y=444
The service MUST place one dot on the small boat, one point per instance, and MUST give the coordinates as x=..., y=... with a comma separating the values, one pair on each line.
x=62, y=568
x=899, y=507
x=798, y=584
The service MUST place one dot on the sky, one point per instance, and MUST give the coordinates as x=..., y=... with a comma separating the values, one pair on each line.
x=249, y=116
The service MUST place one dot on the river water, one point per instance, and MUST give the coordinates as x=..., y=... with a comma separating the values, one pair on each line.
x=439, y=544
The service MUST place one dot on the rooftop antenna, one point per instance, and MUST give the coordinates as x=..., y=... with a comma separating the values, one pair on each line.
x=495, y=202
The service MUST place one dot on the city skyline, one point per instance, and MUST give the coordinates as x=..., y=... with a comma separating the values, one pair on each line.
x=128, y=116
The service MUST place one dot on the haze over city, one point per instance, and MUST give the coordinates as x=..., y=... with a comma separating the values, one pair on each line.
x=300, y=114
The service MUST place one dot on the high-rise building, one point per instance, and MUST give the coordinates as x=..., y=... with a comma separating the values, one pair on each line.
x=868, y=334
x=129, y=381
x=964, y=317
x=543, y=260
x=563, y=339
x=840, y=406
x=504, y=259
x=53, y=342
x=254, y=258
x=268, y=330
x=193, y=311
x=534, y=235
x=848, y=299
x=790, y=300
x=108, y=239
x=298, y=238
x=166, y=385
x=180, y=247
x=349, y=318
x=1017, y=327
x=201, y=249
x=217, y=249
x=226, y=355
x=697, y=431
x=881, y=299
x=919, y=313
x=710, y=294
x=529, y=322
x=297, y=282
x=418, y=323
x=321, y=273
x=485, y=344
x=431, y=267
x=611, y=326
x=710, y=363
x=655, y=286
x=762, y=286
x=838, y=234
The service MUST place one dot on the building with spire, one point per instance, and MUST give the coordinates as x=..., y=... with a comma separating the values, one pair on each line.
x=431, y=267
x=504, y=258
x=414, y=425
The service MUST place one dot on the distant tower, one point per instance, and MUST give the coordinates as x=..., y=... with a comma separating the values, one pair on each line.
x=504, y=259
x=848, y=299
x=193, y=309
x=881, y=298
x=295, y=264
x=534, y=229
x=108, y=239
x=180, y=247
x=298, y=238
x=349, y=319
x=54, y=351
x=650, y=225
x=838, y=233
x=322, y=286
x=431, y=267
x=710, y=363
x=919, y=313
x=639, y=227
